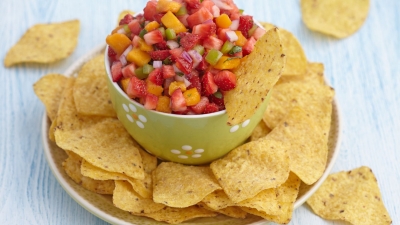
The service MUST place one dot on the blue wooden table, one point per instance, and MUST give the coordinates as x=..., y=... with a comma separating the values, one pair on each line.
x=364, y=69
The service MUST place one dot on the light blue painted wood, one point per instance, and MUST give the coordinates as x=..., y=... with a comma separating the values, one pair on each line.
x=364, y=69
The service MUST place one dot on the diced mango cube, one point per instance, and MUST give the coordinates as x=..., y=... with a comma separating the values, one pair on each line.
x=163, y=104
x=227, y=63
x=168, y=5
x=223, y=21
x=154, y=89
x=118, y=42
x=192, y=96
x=124, y=84
x=152, y=26
x=170, y=21
x=139, y=57
x=175, y=85
x=241, y=39
x=142, y=45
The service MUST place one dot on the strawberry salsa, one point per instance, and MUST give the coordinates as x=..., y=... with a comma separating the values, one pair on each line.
x=178, y=56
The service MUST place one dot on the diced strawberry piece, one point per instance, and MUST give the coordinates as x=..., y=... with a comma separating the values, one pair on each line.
x=218, y=101
x=258, y=33
x=222, y=34
x=168, y=71
x=176, y=53
x=249, y=46
x=167, y=82
x=193, y=4
x=225, y=80
x=161, y=45
x=203, y=65
x=184, y=64
x=150, y=101
x=199, y=17
x=205, y=30
x=208, y=85
x=156, y=77
x=159, y=55
x=112, y=55
x=183, y=20
x=135, y=41
x=136, y=88
x=158, y=16
x=126, y=20
x=212, y=43
x=208, y=4
x=153, y=37
x=245, y=24
x=199, y=107
x=194, y=80
x=150, y=10
x=178, y=102
x=189, y=41
x=135, y=27
x=129, y=70
x=116, y=71
x=210, y=108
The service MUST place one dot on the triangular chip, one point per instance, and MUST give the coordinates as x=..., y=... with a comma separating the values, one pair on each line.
x=45, y=43
x=352, y=196
x=231, y=211
x=339, y=18
x=218, y=200
x=260, y=165
x=180, y=186
x=260, y=131
x=256, y=76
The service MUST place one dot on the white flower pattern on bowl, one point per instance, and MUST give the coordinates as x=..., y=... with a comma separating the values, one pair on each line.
x=236, y=127
x=132, y=117
x=187, y=152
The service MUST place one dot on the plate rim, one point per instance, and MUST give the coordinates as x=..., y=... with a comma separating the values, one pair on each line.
x=87, y=205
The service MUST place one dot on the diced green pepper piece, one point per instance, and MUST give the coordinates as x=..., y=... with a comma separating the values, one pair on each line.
x=251, y=31
x=139, y=73
x=227, y=47
x=213, y=56
x=235, y=50
x=218, y=94
x=167, y=61
x=199, y=49
x=142, y=33
x=162, y=29
x=126, y=29
x=170, y=33
x=182, y=11
x=147, y=69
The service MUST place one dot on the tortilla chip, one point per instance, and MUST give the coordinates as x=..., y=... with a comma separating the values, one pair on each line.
x=181, y=186
x=218, y=200
x=260, y=165
x=256, y=75
x=91, y=93
x=352, y=196
x=260, y=131
x=125, y=198
x=296, y=60
x=72, y=167
x=52, y=129
x=231, y=211
x=123, y=13
x=339, y=18
x=265, y=201
x=308, y=151
x=45, y=43
x=103, y=142
x=179, y=215
x=49, y=90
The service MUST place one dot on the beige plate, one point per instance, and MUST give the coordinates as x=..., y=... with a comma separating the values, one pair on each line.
x=101, y=205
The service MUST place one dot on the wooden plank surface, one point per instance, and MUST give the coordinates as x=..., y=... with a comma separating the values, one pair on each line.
x=364, y=69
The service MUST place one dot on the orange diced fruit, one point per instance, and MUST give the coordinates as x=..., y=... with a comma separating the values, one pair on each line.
x=175, y=85
x=154, y=89
x=223, y=21
x=241, y=39
x=124, y=84
x=171, y=21
x=139, y=57
x=163, y=104
x=152, y=26
x=142, y=45
x=192, y=96
x=118, y=42
x=168, y=5
x=227, y=63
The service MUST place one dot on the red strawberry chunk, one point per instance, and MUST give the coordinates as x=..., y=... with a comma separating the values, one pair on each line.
x=193, y=4
x=161, y=45
x=159, y=55
x=222, y=34
x=129, y=70
x=136, y=88
x=245, y=24
x=218, y=101
x=212, y=43
x=150, y=10
x=183, y=20
x=150, y=101
x=135, y=41
x=189, y=41
x=157, y=17
x=135, y=27
x=178, y=102
x=208, y=4
x=116, y=71
x=203, y=65
x=194, y=80
x=156, y=77
x=184, y=63
x=112, y=55
x=199, y=17
x=225, y=80
x=167, y=82
x=126, y=20
x=175, y=53
x=210, y=108
x=199, y=107
x=209, y=87
x=168, y=71
x=153, y=37
x=249, y=46
x=205, y=30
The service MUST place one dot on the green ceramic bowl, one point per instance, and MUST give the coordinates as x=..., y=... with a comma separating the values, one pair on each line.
x=187, y=139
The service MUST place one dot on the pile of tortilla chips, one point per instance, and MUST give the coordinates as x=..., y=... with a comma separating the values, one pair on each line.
x=261, y=177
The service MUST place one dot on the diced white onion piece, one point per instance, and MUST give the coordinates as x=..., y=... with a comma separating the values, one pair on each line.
x=179, y=78
x=215, y=11
x=172, y=44
x=197, y=58
x=231, y=35
x=222, y=5
x=121, y=31
x=157, y=64
x=187, y=83
x=176, y=69
x=122, y=59
x=234, y=25
x=127, y=50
